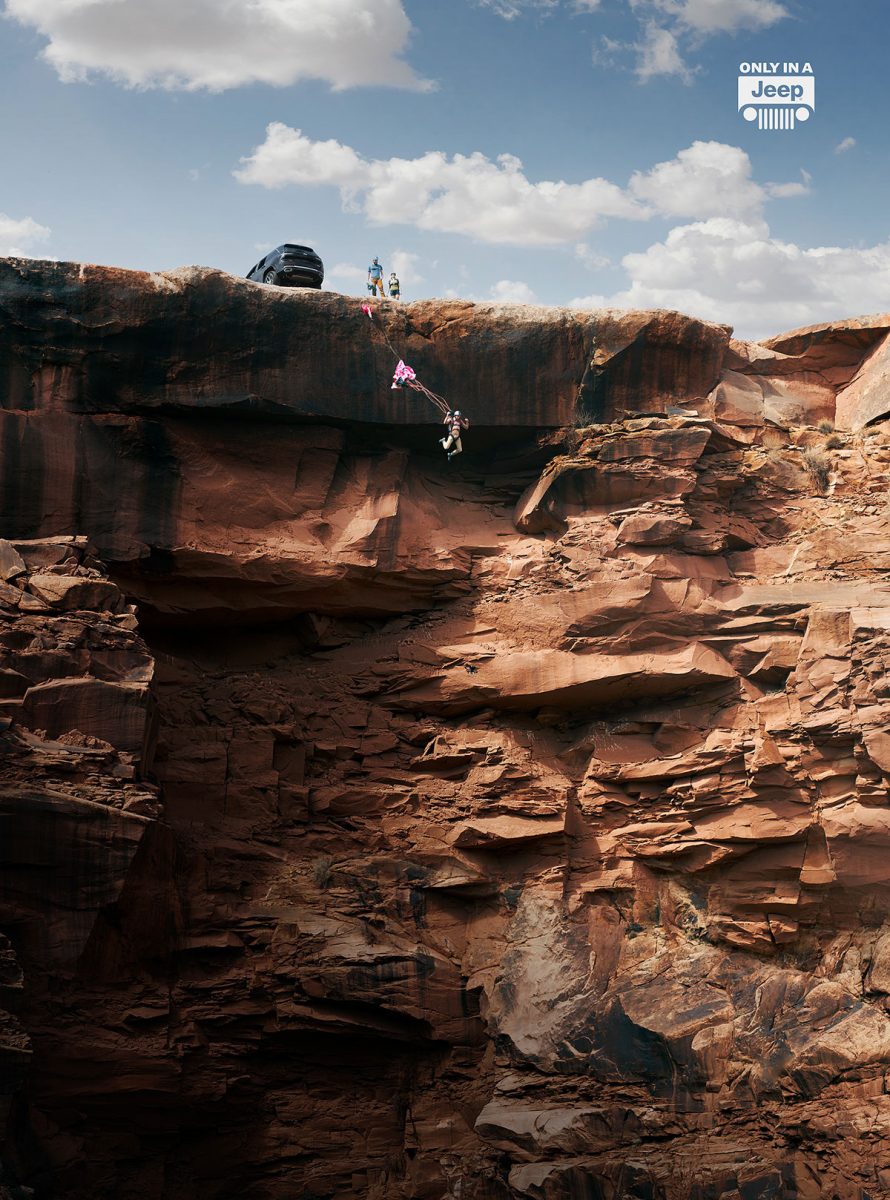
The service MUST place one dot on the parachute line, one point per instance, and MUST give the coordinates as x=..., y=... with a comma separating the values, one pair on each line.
x=404, y=375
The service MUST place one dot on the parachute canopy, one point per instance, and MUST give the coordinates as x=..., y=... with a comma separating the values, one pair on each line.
x=405, y=376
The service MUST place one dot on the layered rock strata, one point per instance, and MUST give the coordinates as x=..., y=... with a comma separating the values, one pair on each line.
x=514, y=827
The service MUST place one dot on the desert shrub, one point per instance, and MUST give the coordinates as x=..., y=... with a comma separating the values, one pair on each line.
x=826, y=426
x=834, y=442
x=570, y=437
x=819, y=468
x=321, y=870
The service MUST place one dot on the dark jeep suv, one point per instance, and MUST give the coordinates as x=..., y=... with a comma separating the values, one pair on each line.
x=289, y=266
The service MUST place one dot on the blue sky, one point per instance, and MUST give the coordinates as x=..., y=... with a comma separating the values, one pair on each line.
x=550, y=151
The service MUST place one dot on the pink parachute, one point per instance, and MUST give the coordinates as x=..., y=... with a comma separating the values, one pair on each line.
x=404, y=376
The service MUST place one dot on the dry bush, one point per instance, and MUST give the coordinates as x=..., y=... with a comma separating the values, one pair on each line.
x=321, y=871
x=826, y=426
x=819, y=467
x=570, y=437
x=565, y=440
x=835, y=442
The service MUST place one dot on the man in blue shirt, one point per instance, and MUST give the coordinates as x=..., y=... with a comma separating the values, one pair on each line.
x=375, y=278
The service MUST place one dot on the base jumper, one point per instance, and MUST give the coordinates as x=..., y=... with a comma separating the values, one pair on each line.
x=455, y=424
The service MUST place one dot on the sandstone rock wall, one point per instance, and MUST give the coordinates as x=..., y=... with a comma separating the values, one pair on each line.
x=92, y=339
x=514, y=827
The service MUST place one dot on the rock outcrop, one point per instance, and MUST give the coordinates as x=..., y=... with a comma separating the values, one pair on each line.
x=514, y=827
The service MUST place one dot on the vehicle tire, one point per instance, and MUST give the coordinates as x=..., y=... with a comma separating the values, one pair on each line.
x=269, y=276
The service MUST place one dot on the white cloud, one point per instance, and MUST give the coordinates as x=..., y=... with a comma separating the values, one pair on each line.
x=492, y=201
x=404, y=263
x=704, y=16
x=724, y=16
x=671, y=28
x=594, y=300
x=590, y=258
x=219, y=44
x=668, y=29
x=608, y=52
x=734, y=271
x=472, y=194
x=658, y=53
x=286, y=156
x=707, y=179
x=787, y=191
x=511, y=9
x=505, y=291
x=347, y=276
x=512, y=291
x=18, y=236
x=847, y=144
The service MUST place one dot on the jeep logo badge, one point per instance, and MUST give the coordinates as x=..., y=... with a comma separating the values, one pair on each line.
x=776, y=94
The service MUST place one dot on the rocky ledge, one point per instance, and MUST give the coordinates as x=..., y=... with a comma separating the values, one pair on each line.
x=381, y=827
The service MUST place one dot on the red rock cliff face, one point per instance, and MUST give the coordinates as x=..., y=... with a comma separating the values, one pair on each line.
x=513, y=827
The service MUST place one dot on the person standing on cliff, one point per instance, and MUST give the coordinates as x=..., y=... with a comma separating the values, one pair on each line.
x=375, y=278
x=455, y=424
x=395, y=288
